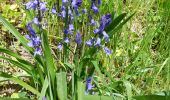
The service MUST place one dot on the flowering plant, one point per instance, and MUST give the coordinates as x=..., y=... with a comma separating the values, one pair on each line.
x=64, y=49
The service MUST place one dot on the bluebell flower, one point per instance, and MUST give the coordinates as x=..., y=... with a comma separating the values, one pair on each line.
x=36, y=21
x=37, y=52
x=66, y=31
x=76, y=3
x=76, y=11
x=106, y=20
x=105, y=36
x=96, y=31
x=36, y=41
x=70, y=12
x=44, y=98
x=99, y=2
x=92, y=22
x=66, y=40
x=31, y=30
x=30, y=5
x=30, y=44
x=28, y=37
x=90, y=42
x=63, y=11
x=53, y=11
x=64, y=1
x=97, y=43
x=78, y=38
x=60, y=46
x=71, y=27
x=84, y=11
x=107, y=51
x=89, y=85
x=43, y=7
x=94, y=8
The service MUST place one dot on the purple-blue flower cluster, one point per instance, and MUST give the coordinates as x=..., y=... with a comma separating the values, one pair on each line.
x=100, y=33
x=34, y=40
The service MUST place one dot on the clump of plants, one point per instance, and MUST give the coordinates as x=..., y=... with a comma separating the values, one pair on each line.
x=64, y=39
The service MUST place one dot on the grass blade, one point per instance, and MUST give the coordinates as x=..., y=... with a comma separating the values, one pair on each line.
x=62, y=86
x=20, y=82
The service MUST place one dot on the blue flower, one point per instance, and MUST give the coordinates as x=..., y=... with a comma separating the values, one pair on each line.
x=89, y=85
x=104, y=22
x=107, y=51
x=44, y=98
x=97, y=43
x=43, y=7
x=70, y=12
x=96, y=31
x=99, y=2
x=90, y=42
x=31, y=30
x=53, y=11
x=76, y=11
x=92, y=22
x=105, y=36
x=71, y=27
x=64, y=1
x=38, y=52
x=31, y=44
x=66, y=40
x=30, y=5
x=60, y=46
x=36, y=21
x=84, y=11
x=63, y=11
x=94, y=8
x=78, y=38
x=76, y=3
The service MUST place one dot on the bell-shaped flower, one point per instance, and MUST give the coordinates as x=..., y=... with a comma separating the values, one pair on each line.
x=97, y=43
x=92, y=22
x=60, y=46
x=94, y=8
x=107, y=51
x=78, y=38
x=53, y=11
x=66, y=40
x=105, y=36
x=37, y=51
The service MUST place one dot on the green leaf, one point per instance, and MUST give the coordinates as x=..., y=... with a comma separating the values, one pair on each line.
x=62, y=86
x=24, y=67
x=93, y=97
x=14, y=99
x=20, y=82
x=110, y=33
x=48, y=57
x=115, y=22
x=16, y=56
x=128, y=89
x=12, y=29
x=151, y=97
x=80, y=90
x=44, y=88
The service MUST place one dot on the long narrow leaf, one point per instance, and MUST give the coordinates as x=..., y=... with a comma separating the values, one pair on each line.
x=24, y=67
x=48, y=56
x=62, y=86
x=20, y=82
x=12, y=29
